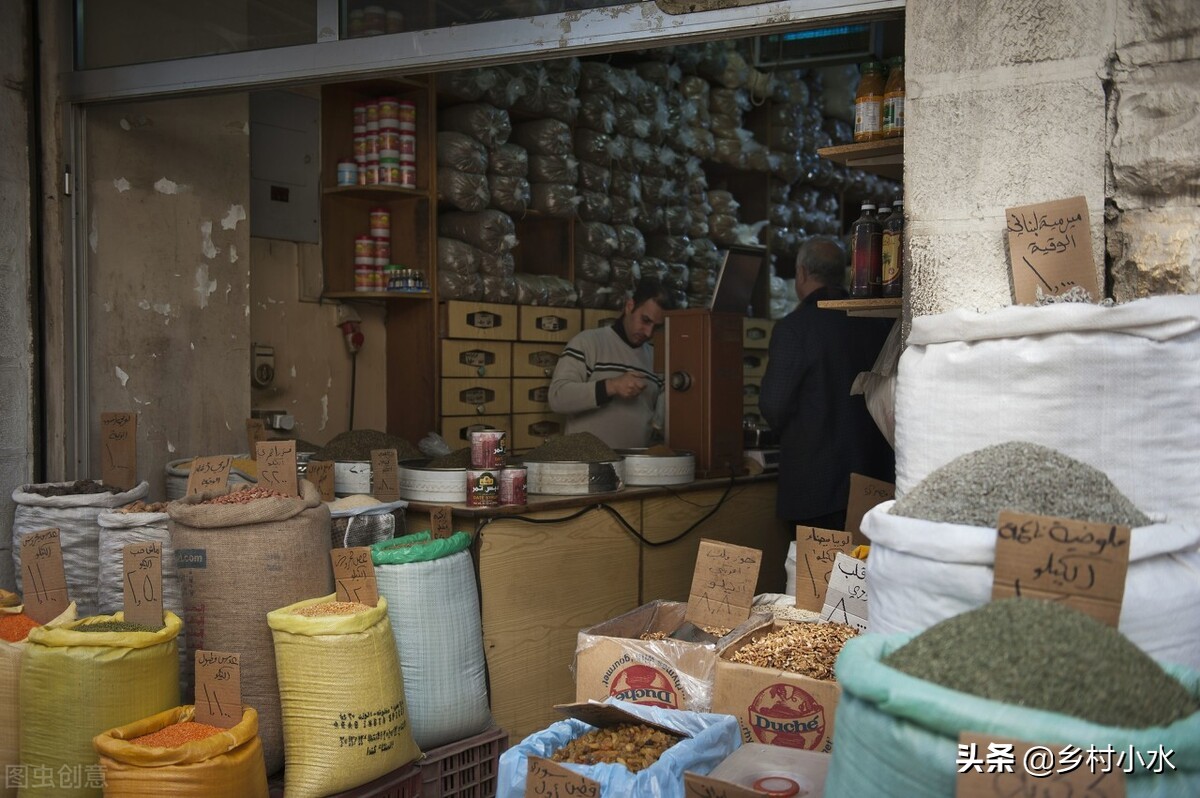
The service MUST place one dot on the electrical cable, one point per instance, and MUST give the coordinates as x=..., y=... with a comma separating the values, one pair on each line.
x=353, y=381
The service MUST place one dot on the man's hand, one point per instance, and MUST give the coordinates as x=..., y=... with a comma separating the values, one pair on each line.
x=627, y=386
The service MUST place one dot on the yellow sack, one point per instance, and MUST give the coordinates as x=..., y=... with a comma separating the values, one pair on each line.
x=226, y=764
x=10, y=698
x=345, y=722
x=75, y=685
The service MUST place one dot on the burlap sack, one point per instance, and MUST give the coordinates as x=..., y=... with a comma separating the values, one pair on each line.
x=237, y=562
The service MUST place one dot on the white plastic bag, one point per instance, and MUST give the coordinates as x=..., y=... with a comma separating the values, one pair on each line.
x=878, y=386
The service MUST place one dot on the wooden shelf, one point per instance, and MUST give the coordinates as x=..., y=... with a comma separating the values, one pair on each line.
x=378, y=193
x=884, y=306
x=378, y=295
x=885, y=158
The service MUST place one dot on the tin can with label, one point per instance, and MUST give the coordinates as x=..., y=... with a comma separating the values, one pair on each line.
x=512, y=485
x=408, y=176
x=407, y=111
x=347, y=172
x=488, y=448
x=483, y=489
x=364, y=247
x=383, y=250
x=389, y=173
x=381, y=222
x=407, y=144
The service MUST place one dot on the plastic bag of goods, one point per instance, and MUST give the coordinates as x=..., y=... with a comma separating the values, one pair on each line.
x=1124, y=359
x=165, y=754
x=72, y=507
x=233, y=552
x=596, y=112
x=434, y=609
x=1012, y=671
x=361, y=520
x=626, y=273
x=486, y=124
x=509, y=159
x=630, y=241
x=462, y=152
x=337, y=662
x=457, y=257
x=554, y=199
x=598, y=238
x=508, y=89
x=599, y=295
x=629, y=120
x=491, y=231
x=564, y=71
x=676, y=219
x=593, y=147
x=499, y=288
x=626, y=184
x=544, y=137
x=592, y=267
x=467, y=84
x=596, y=76
x=464, y=190
x=15, y=626
x=553, y=169
x=595, y=207
x=593, y=177
x=696, y=743
x=624, y=211
x=560, y=102
x=669, y=248
x=510, y=194
x=76, y=684
x=460, y=286
x=497, y=265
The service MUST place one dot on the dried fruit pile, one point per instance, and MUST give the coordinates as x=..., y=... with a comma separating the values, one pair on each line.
x=634, y=745
x=805, y=648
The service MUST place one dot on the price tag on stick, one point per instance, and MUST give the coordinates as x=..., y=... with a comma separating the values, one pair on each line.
x=548, y=779
x=441, y=522
x=998, y=767
x=723, y=584
x=209, y=474
x=143, y=584
x=118, y=450
x=354, y=575
x=816, y=550
x=696, y=786
x=277, y=467
x=1050, y=250
x=256, y=432
x=218, y=688
x=1080, y=563
x=43, y=578
x=320, y=474
x=385, y=475
x=865, y=493
x=846, y=598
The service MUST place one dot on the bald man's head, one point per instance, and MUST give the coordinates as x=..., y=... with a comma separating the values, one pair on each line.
x=824, y=260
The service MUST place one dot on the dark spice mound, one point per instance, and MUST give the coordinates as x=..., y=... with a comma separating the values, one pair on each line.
x=1043, y=655
x=583, y=447
x=456, y=459
x=114, y=626
x=79, y=487
x=358, y=443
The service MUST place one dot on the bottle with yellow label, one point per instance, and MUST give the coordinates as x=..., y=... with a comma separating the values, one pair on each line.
x=893, y=99
x=868, y=103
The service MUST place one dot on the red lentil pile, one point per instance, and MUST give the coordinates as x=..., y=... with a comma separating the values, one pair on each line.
x=247, y=495
x=15, y=628
x=332, y=608
x=177, y=734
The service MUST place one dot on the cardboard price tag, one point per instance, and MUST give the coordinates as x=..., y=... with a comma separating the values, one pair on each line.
x=441, y=522
x=1080, y=563
x=722, y=584
x=118, y=450
x=385, y=475
x=696, y=786
x=218, y=688
x=846, y=598
x=1050, y=250
x=816, y=550
x=209, y=474
x=256, y=432
x=865, y=493
x=143, y=584
x=996, y=767
x=43, y=575
x=277, y=467
x=354, y=575
x=320, y=474
x=548, y=779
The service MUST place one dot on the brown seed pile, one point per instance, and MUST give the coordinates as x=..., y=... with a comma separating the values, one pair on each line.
x=581, y=447
x=332, y=608
x=177, y=734
x=79, y=487
x=456, y=459
x=654, y=636
x=805, y=648
x=634, y=745
x=247, y=495
x=357, y=444
x=140, y=506
x=717, y=631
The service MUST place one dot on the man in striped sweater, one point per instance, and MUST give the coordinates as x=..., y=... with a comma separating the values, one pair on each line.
x=605, y=382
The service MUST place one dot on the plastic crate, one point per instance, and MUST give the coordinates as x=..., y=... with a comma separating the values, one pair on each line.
x=465, y=769
x=403, y=782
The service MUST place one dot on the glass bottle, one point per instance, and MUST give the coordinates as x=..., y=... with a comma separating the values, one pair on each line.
x=892, y=262
x=893, y=100
x=868, y=103
x=867, y=247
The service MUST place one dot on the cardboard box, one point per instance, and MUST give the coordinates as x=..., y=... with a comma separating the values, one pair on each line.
x=531, y=395
x=481, y=397
x=474, y=358
x=756, y=333
x=456, y=429
x=538, y=323
x=773, y=706
x=593, y=318
x=530, y=430
x=480, y=320
x=535, y=360
x=754, y=363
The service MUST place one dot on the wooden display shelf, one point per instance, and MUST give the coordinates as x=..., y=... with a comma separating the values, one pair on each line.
x=378, y=295
x=883, y=306
x=378, y=193
x=885, y=158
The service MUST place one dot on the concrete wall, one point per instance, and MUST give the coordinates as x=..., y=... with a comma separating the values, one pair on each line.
x=168, y=279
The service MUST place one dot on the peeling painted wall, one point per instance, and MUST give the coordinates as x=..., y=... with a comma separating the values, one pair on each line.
x=168, y=279
x=312, y=365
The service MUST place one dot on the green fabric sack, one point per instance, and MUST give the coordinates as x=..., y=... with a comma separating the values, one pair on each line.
x=898, y=735
x=418, y=547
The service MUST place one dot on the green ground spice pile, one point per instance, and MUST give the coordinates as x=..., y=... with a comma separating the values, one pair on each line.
x=114, y=626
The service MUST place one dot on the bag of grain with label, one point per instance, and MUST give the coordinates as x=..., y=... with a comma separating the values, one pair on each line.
x=171, y=754
x=434, y=609
x=342, y=695
x=15, y=626
x=241, y=556
x=72, y=507
x=134, y=523
x=82, y=678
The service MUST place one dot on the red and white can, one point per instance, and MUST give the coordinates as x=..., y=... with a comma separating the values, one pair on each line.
x=512, y=485
x=483, y=488
x=488, y=448
x=408, y=176
x=381, y=222
x=407, y=145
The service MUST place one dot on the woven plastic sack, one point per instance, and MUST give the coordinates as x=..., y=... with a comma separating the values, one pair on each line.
x=237, y=562
x=75, y=685
x=509, y=159
x=118, y=530
x=434, y=610
x=364, y=526
x=339, y=731
x=510, y=194
x=491, y=231
x=544, y=137
x=898, y=735
x=488, y=125
x=1077, y=378
x=553, y=169
x=922, y=572
x=227, y=763
x=79, y=534
x=708, y=739
x=462, y=152
x=10, y=696
x=463, y=190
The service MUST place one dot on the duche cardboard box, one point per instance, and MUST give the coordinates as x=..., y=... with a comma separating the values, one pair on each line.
x=612, y=659
x=773, y=706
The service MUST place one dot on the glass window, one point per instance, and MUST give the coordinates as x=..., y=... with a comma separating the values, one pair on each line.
x=377, y=17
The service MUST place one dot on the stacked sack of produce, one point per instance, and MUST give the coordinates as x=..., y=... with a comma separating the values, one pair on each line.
x=171, y=754
x=15, y=627
x=626, y=260
x=80, y=679
x=72, y=507
x=138, y=522
x=362, y=520
x=434, y=610
x=345, y=720
x=241, y=556
x=932, y=550
x=462, y=170
x=553, y=167
x=464, y=241
x=1022, y=669
x=595, y=244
